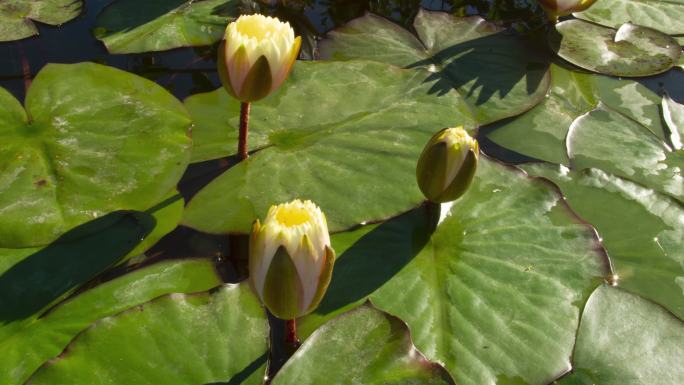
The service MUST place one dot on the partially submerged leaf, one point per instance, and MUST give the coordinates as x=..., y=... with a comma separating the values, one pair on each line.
x=17, y=16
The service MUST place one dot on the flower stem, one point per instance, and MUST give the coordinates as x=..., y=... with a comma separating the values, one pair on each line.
x=244, y=127
x=291, y=333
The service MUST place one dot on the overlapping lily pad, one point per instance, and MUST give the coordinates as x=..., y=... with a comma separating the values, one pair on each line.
x=631, y=50
x=673, y=113
x=495, y=293
x=34, y=341
x=359, y=142
x=624, y=339
x=197, y=339
x=17, y=16
x=364, y=346
x=130, y=26
x=642, y=230
x=663, y=15
x=500, y=73
x=92, y=140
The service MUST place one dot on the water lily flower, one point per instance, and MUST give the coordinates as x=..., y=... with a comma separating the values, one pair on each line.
x=256, y=56
x=447, y=165
x=556, y=8
x=290, y=259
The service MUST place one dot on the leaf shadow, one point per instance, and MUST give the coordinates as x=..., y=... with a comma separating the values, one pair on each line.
x=378, y=256
x=50, y=273
x=245, y=373
x=479, y=69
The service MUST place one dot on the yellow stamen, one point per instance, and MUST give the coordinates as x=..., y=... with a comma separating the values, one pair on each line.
x=290, y=215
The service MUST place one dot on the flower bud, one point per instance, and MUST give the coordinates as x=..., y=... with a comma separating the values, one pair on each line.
x=556, y=8
x=447, y=165
x=290, y=259
x=256, y=56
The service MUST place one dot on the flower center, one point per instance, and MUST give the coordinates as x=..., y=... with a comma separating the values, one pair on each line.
x=292, y=216
x=258, y=27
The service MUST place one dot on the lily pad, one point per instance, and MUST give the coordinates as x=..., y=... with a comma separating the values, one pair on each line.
x=673, y=113
x=17, y=16
x=92, y=140
x=495, y=293
x=364, y=346
x=624, y=339
x=642, y=230
x=192, y=339
x=28, y=345
x=359, y=143
x=663, y=15
x=630, y=51
x=131, y=26
x=499, y=72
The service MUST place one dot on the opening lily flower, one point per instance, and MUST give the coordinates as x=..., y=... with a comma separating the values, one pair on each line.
x=447, y=165
x=556, y=8
x=256, y=56
x=290, y=259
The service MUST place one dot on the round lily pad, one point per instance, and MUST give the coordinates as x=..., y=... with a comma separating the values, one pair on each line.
x=92, y=140
x=629, y=51
x=17, y=16
x=663, y=15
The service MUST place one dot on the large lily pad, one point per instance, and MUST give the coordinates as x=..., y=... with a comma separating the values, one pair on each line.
x=495, y=293
x=131, y=26
x=663, y=15
x=28, y=345
x=359, y=144
x=17, y=16
x=642, y=230
x=92, y=140
x=624, y=339
x=630, y=51
x=196, y=339
x=364, y=346
x=500, y=73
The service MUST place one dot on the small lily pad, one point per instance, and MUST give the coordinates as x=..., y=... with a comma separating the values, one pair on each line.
x=17, y=16
x=630, y=51
x=663, y=15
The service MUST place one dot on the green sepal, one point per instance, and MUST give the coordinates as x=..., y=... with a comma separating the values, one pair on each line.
x=223, y=69
x=324, y=279
x=282, y=287
x=258, y=82
x=431, y=170
x=462, y=180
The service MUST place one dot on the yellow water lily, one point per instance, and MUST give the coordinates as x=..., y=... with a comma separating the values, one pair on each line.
x=256, y=56
x=290, y=258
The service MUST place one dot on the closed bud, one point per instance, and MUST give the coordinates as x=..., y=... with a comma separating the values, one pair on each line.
x=290, y=259
x=256, y=56
x=556, y=8
x=447, y=165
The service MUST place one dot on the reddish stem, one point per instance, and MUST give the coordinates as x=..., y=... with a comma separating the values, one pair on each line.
x=291, y=333
x=244, y=127
x=25, y=67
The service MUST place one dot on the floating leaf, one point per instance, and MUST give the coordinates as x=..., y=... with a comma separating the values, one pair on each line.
x=642, y=230
x=624, y=339
x=665, y=16
x=673, y=113
x=359, y=143
x=17, y=16
x=131, y=26
x=364, y=346
x=630, y=51
x=500, y=73
x=92, y=140
x=495, y=293
x=193, y=339
x=29, y=344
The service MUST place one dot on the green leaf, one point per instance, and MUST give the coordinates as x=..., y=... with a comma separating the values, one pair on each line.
x=624, y=339
x=663, y=15
x=495, y=293
x=131, y=26
x=93, y=140
x=361, y=141
x=17, y=16
x=31, y=343
x=673, y=113
x=642, y=230
x=630, y=51
x=166, y=215
x=364, y=346
x=541, y=132
x=500, y=73
x=193, y=339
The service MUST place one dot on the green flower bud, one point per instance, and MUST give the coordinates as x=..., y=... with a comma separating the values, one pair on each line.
x=447, y=165
x=290, y=259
